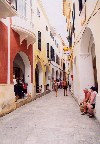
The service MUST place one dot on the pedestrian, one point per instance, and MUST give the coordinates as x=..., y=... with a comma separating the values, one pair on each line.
x=56, y=87
x=65, y=87
x=15, y=88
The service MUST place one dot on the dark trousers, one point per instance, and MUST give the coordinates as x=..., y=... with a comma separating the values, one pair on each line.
x=65, y=91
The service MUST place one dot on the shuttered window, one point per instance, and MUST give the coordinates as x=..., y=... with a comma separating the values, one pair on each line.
x=52, y=54
x=39, y=40
x=80, y=5
x=47, y=50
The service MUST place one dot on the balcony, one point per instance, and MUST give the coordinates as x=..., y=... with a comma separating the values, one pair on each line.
x=25, y=28
x=7, y=8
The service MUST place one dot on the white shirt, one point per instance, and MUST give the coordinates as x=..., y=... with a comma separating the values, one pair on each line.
x=14, y=81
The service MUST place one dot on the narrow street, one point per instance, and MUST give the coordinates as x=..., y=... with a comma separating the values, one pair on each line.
x=49, y=120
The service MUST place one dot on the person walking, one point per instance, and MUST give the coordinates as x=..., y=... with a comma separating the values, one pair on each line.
x=56, y=87
x=65, y=87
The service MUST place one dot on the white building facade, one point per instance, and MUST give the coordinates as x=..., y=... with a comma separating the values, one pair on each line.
x=86, y=43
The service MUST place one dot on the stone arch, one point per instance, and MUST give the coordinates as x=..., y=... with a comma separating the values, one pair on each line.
x=22, y=62
x=88, y=76
x=87, y=41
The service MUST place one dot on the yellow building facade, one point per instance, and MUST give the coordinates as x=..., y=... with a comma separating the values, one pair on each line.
x=41, y=63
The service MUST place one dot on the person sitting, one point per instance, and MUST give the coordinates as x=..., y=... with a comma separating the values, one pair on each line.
x=85, y=100
x=91, y=104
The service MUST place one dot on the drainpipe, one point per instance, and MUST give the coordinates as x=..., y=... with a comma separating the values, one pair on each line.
x=8, y=77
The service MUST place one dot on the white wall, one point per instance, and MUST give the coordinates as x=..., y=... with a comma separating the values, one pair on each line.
x=83, y=70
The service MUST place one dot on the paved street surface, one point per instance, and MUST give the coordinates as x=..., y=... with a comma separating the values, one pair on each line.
x=49, y=120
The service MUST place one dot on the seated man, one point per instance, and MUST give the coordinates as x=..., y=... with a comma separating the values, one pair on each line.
x=91, y=104
x=86, y=99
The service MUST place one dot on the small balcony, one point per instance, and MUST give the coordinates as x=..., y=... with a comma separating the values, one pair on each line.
x=25, y=28
x=8, y=8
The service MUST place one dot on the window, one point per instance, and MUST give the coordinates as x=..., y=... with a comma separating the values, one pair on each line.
x=13, y=4
x=51, y=35
x=57, y=45
x=55, y=42
x=21, y=7
x=38, y=12
x=63, y=66
x=47, y=50
x=52, y=54
x=31, y=3
x=24, y=8
x=61, y=62
x=39, y=40
x=57, y=60
x=81, y=3
x=46, y=28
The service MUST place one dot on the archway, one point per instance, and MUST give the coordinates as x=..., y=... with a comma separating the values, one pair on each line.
x=39, y=78
x=18, y=67
x=88, y=72
x=22, y=69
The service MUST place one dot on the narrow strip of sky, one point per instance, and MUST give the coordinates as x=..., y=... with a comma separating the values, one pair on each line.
x=54, y=11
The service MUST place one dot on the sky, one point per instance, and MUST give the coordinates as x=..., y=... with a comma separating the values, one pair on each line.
x=54, y=10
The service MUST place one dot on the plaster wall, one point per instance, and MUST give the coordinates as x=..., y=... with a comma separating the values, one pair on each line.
x=82, y=78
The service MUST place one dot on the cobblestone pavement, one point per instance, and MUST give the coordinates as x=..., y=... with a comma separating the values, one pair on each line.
x=49, y=120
